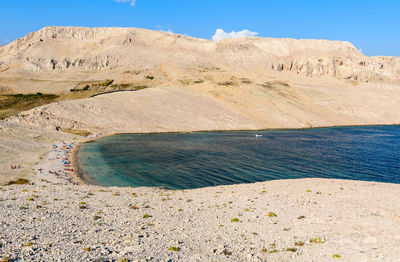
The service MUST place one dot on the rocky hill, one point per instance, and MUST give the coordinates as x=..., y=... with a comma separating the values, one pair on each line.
x=197, y=84
x=78, y=49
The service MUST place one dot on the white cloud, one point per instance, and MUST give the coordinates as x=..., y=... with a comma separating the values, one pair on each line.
x=132, y=2
x=221, y=34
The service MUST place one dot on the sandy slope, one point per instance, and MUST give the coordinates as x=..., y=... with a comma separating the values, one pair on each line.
x=357, y=220
x=220, y=108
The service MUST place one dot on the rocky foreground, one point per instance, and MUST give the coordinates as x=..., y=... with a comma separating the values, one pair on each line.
x=296, y=220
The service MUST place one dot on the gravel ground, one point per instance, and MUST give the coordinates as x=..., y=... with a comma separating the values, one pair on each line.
x=296, y=220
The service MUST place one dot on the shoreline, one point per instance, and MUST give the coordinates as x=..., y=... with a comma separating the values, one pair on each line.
x=95, y=137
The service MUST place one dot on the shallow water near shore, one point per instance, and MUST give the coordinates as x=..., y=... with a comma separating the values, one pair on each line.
x=201, y=159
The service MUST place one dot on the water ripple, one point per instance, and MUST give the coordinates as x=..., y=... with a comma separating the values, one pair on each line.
x=218, y=158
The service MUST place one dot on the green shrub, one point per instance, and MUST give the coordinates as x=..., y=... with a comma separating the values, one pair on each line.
x=317, y=240
x=299, y=243
x=173, y=249
x=107, y=82
x=5, y=259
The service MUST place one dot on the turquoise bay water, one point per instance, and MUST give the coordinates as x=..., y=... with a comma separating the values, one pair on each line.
x=192, y=160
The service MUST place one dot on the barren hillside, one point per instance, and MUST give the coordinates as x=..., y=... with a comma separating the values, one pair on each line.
x=126, y=53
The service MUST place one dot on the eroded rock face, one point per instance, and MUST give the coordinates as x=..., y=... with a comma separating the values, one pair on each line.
x=94, y=49
x=366, y=70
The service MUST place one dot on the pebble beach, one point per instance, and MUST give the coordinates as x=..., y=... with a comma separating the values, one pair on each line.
x=316, y=220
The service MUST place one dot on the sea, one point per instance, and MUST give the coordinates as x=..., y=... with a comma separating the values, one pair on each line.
x=203, y=159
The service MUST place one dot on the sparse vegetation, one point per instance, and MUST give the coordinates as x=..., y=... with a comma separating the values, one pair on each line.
x=146, y=216
x=291, y=249
x=317, y=240
x=77, y=132
x=271, y=214
x=246, y=81
x=235, y=220
x=150, y=77
x=13, y=104
x=336, y=256
x=107, y=82
x=226, y=252
x=226, y=83
x=173, y=249
x=299, y=243
x=20, y=181
x=5, y=259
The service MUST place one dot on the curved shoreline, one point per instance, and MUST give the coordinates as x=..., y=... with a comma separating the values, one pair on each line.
x=88, y=181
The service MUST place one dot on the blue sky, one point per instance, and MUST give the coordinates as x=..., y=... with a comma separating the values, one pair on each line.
x=371, y=25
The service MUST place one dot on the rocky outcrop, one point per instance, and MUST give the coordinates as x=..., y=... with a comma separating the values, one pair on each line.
x=93, y=49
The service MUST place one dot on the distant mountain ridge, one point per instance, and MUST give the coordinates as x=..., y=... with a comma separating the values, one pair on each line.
x=80, y=49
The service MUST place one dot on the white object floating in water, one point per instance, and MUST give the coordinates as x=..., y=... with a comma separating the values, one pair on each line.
x=257, y=135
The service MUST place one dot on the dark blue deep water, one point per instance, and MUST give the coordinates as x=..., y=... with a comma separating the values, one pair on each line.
x=192, y=160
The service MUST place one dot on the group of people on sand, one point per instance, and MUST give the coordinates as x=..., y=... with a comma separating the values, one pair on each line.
x=15, y=166
x=65, y=171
